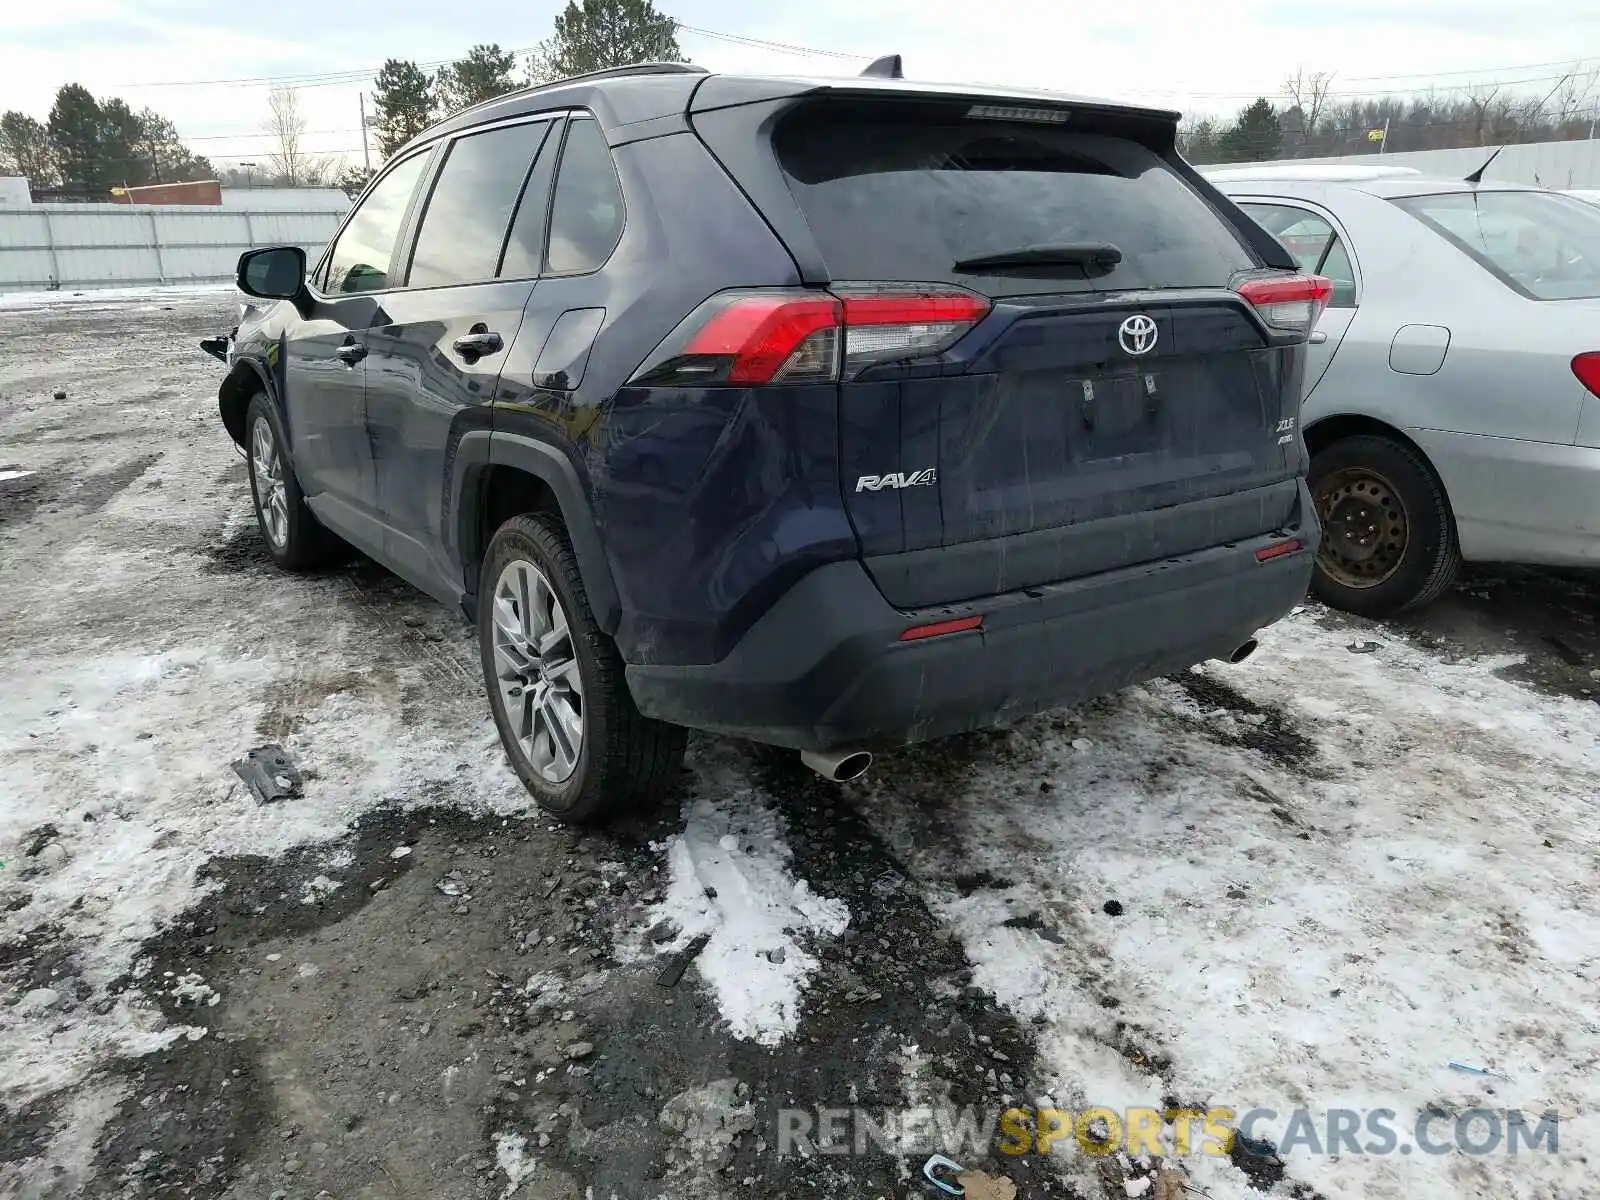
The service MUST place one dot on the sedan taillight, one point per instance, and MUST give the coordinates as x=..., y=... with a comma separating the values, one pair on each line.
x=754, y=337
x=1587, y=368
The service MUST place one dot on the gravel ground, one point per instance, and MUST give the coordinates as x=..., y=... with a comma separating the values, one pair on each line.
x=1310, y=880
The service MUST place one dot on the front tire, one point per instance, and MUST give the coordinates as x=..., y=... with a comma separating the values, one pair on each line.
x=556, y=686
x=295, y=538
x=1388, y=535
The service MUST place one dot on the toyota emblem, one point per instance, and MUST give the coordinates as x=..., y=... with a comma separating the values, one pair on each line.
x=1137, y=334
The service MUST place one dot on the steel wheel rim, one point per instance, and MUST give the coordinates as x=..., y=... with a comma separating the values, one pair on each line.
x=1365, y=528
x=536, y=669
x=272, y=502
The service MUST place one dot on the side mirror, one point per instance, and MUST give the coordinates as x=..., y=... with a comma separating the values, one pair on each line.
x=273, y=273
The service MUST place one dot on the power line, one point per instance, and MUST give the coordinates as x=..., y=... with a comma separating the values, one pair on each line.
x=1484, y=75
x=762, y=43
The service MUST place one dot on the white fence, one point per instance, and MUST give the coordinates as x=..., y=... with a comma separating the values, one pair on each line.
x=1559, y=165
x=120, y=245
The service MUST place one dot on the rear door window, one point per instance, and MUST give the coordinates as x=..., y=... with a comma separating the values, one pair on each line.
x=902, y=193
x=464, y=226
x=1315, y=245
x=1543, y=245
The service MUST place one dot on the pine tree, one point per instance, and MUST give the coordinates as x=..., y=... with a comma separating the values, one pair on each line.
x=605, y=33
x=77, y=135
x=402, y=104
x=1254, y=137
x=170, y=160
x=486, y=72
x=120, y=139
x=25, y=149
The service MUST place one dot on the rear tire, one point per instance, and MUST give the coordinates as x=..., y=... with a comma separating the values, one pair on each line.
x=1388, y=535
x=556, y=686
x=295, y=538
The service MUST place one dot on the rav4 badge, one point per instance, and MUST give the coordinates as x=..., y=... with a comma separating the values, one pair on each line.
x=898, y=479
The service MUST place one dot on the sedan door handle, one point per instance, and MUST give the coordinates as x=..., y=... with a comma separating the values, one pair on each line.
x=1318, y=337
x=477, y=343
x=351, y=353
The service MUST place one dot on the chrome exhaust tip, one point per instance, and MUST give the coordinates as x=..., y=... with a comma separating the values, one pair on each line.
x=837, y=766
x=1243, y=650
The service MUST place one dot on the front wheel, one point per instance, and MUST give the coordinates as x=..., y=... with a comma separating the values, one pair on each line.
x=1388, y=536
x=295, y=538
x=556, y=686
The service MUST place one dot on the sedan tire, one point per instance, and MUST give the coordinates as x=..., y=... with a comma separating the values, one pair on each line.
x=1388, y=536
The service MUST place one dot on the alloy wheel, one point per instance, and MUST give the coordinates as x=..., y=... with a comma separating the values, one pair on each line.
x=536, y=668
x=1364, y=527
x=270, y=494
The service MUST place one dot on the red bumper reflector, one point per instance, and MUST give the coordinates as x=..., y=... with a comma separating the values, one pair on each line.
x=940, y=628
x=1278, y=550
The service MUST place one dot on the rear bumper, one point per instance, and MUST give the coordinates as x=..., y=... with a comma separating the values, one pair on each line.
x=825, y=668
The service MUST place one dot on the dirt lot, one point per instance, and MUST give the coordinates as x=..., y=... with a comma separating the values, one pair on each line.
x=1313, y=880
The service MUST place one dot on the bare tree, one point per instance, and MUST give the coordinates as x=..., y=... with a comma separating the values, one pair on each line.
x=1484, y=110
x=1309, y=93
x=290, y=162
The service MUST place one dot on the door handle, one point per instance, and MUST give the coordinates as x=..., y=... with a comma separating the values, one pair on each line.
x=351, y=353
x=1318, y=337
x=476, y=344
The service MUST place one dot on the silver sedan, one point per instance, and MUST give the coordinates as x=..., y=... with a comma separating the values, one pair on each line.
x=1452, y=402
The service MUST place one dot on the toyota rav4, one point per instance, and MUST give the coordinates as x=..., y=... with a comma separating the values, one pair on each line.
x=828, y=413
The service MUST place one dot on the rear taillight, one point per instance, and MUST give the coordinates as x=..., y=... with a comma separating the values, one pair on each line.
x=1587, y=368
x=749, y=338
x=1288, y=302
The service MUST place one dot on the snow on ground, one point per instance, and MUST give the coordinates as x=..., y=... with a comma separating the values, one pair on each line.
x=124, y=298
x=134, y=675
x=1322, y=933
x=1314, y=879
x=730, y=882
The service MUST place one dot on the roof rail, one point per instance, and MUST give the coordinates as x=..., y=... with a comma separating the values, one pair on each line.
x=651, y=68
x=646, y=68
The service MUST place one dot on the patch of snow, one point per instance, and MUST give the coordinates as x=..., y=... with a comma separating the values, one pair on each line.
x=193, y=989
x=318, y=888
x=730, y=882
x=1323, y=931
x=512, y=1157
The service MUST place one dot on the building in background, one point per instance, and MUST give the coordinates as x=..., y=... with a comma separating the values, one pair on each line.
x=207, y=191
x=14, y=192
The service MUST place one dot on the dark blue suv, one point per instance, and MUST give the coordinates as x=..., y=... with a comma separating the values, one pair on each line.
x=830, y=413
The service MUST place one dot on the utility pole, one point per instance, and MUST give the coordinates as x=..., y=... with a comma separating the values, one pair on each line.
x=366, y=155
x=1384, y=143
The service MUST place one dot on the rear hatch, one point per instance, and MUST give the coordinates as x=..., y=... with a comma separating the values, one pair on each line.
x=1098, y=408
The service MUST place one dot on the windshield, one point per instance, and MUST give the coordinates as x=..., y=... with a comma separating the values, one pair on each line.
x=1544, y=245
x=896, y=193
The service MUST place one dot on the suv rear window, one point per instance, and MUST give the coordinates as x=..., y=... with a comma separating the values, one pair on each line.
x=1538, y=243
x=903, y=192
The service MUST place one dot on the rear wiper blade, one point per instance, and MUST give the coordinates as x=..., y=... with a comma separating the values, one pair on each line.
x=1049, y=254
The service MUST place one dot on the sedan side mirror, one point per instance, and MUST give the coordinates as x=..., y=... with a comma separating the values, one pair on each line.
x=273, y=273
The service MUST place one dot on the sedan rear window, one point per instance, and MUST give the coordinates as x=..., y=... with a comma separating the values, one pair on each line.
x=903, y=194
x=1541, y=244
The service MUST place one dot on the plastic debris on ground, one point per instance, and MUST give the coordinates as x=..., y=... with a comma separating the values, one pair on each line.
x=269, y=774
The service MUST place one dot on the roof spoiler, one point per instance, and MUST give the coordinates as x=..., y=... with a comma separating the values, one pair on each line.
x=887, y=67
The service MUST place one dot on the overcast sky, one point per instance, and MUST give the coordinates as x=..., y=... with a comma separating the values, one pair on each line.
x=1194, y=56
